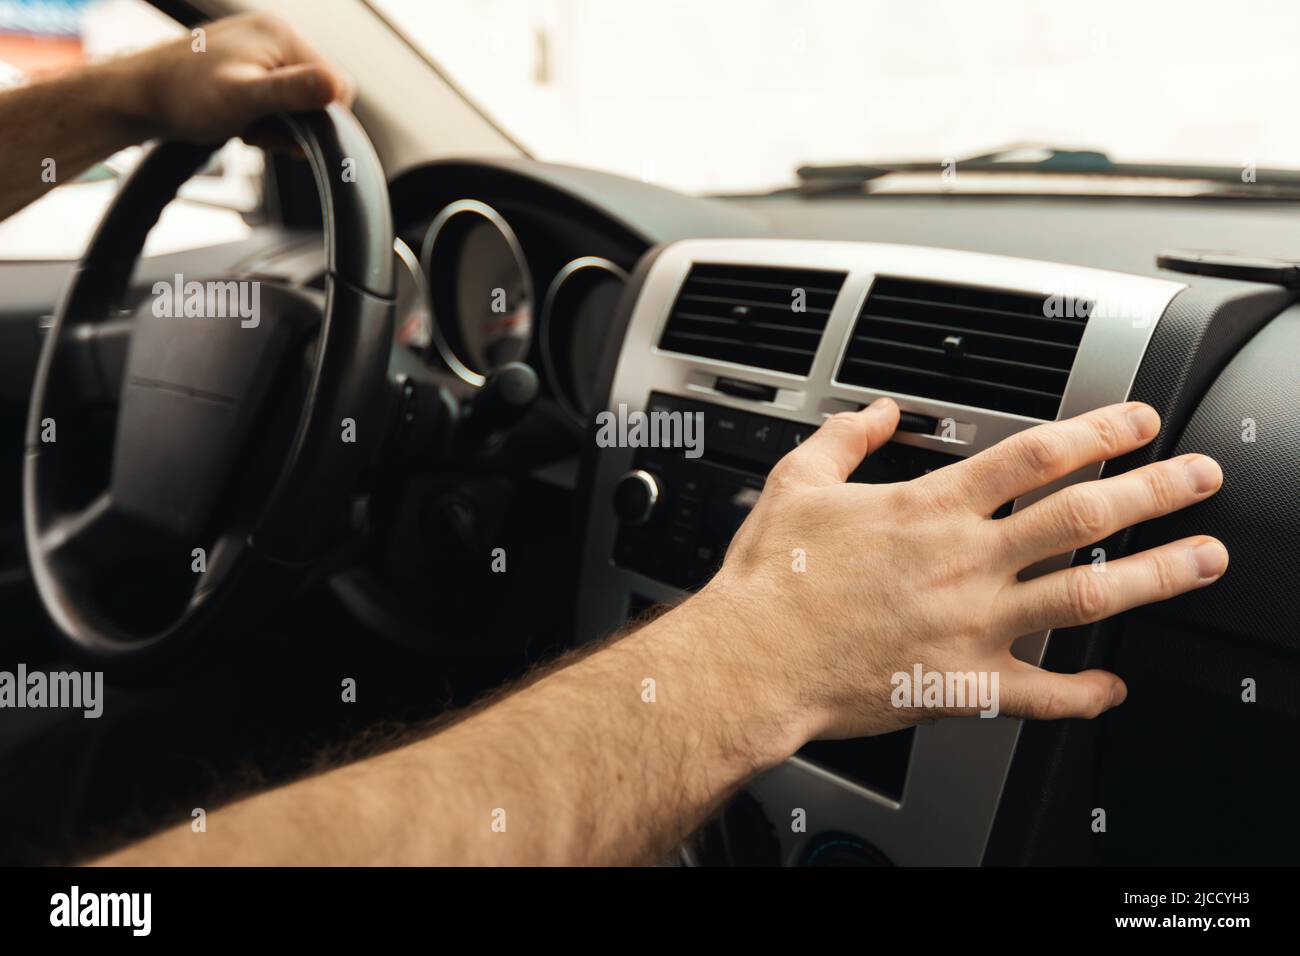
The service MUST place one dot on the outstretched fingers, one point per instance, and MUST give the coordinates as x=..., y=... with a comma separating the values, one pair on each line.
x=1088, y=593
x=1090, y=511
x=1043, y=454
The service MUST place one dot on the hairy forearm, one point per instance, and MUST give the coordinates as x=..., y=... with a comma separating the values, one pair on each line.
x=249, y=67
x=592, y=764
x=52, y=131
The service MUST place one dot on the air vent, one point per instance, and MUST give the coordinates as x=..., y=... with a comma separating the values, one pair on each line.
x=752, y=315
x=984, y=347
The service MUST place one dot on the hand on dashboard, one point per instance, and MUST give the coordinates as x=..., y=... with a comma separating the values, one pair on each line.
x=850, y=596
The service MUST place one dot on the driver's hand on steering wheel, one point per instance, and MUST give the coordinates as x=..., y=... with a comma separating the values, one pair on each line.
x=219, y=83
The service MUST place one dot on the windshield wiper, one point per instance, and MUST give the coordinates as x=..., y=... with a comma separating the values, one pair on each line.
x=1050, y=161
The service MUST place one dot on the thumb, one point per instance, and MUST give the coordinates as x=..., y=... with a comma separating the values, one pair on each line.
x=290, y=89
x=832, y=453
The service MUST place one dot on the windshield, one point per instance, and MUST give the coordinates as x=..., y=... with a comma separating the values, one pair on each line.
x=734, y=95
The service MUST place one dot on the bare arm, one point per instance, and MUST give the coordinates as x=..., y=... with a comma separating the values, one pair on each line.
x=248, y=67
x=55, y=130
x=581, y=767
x=578, y=768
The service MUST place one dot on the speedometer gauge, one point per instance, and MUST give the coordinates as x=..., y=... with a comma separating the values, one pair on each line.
x=493, y=302
x=480, y=290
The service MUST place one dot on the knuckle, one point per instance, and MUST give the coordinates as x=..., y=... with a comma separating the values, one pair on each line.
x=1086, y=512
x=927, y=495
x=1107, y=435
x=1050, y=706
x=1164, y=575
x=1085, y=595
x=1040, y=449
x=1163, y=491
x=783, y=476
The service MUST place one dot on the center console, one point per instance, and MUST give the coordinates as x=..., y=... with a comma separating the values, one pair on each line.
x=758, y=341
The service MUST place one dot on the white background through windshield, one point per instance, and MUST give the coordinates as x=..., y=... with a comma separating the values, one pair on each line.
x=731, y=95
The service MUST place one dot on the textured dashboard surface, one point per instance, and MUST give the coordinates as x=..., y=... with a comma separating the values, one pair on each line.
x=1058, y=766
x=1249, y=421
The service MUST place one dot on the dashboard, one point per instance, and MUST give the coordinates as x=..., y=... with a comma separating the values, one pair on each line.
x=980, y=317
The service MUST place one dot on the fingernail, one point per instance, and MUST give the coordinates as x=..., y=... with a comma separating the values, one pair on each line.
x=1118, y=693
x=881, y=403
x=1203, y=474
x=1144, y=421
x=1211, y=559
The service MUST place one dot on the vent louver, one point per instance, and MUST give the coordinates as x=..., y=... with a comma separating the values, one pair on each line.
x=983, y=347
x=771, y=318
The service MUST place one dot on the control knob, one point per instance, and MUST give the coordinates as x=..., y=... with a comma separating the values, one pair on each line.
x=636, y=496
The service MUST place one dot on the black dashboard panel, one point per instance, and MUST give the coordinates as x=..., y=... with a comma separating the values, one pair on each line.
x=1058, y=772
x=1248, y=421
x=631, y=214
x=560, y=217
x=1124, y=234
x=1216, y=672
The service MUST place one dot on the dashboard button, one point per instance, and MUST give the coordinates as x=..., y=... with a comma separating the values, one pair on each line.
x=724, y=429
x=763, y=438
x=686, y=512
x=795, y=434
x=663, y=403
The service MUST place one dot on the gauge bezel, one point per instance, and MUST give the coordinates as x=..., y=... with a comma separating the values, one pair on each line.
x=462, y=207
x=559, y=387
x=406, y=256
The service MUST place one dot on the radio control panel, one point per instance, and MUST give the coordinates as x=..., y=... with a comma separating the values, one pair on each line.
x=677, y=513
x=661, y=514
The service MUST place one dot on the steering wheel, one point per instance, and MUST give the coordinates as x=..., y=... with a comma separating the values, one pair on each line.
x=238, y=439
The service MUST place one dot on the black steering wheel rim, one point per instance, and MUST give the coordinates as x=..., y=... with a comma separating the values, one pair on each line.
x=346, y=381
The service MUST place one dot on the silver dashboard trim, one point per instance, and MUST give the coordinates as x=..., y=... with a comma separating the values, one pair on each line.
x=651, y=485
x=407, y=259
x=445, y=215
x=547, y=317
x=958, y=766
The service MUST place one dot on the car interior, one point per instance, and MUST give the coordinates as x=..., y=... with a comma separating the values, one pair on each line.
x=469, y=308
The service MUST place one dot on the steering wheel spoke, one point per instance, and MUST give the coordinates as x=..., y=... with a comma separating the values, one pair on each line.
x=90, y=362
x=91, y=536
